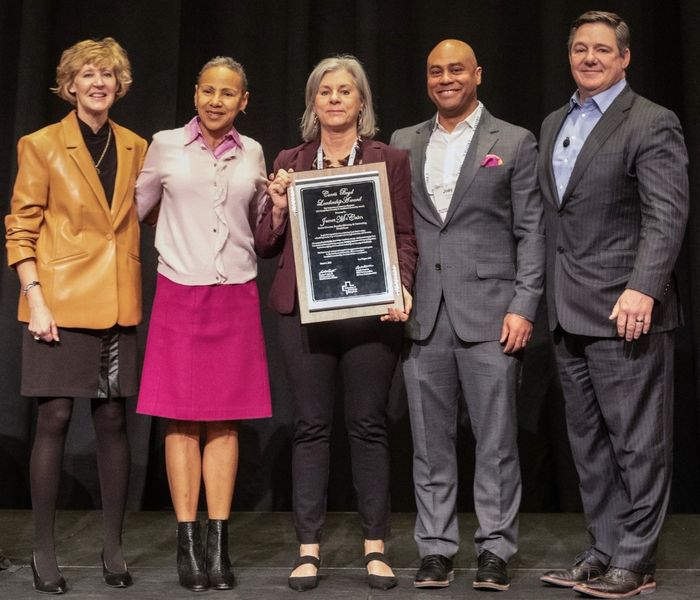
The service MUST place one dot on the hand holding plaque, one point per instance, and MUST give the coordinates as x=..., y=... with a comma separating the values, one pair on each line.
x=395, y=313
x=277, y=190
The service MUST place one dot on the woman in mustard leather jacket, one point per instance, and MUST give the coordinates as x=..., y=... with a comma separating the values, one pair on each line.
x=73, y=237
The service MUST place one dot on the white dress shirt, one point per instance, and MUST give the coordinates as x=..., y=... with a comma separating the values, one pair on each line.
x=444, y=157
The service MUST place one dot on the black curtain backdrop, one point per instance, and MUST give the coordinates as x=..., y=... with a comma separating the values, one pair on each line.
x=521, y=46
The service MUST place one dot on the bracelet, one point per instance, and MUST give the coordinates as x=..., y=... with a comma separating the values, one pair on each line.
x=29, y=286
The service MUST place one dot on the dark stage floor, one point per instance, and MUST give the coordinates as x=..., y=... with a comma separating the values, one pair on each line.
x=263, y=548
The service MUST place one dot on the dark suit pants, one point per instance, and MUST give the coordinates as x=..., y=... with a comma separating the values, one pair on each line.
x=439, y=372
x=364, y=352
x=619, y=413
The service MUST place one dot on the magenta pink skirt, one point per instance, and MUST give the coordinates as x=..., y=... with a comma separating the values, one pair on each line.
x=205, y=354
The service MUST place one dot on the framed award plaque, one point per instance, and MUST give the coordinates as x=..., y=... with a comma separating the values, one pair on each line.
x=344, y=245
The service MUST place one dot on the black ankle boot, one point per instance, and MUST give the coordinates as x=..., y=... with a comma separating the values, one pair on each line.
x=217, y=560
x=190, y=557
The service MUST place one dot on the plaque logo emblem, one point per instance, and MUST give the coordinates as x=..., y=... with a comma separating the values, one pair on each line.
x=349, y=288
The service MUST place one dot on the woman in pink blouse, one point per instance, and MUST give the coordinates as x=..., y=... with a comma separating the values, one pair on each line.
x=205, y=365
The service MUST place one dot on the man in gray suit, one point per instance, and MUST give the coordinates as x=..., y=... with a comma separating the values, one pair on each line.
x=613, y=171
x=479, y=225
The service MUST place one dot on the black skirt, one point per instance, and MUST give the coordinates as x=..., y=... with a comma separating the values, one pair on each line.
x=86, y=363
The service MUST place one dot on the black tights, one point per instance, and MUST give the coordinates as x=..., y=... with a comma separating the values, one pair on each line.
x=113, y=459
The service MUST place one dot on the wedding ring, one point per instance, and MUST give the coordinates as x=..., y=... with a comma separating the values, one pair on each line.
x=639, y=320
x=37, y=338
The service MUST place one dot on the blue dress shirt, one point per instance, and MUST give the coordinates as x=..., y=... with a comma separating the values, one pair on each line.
x=579, y=122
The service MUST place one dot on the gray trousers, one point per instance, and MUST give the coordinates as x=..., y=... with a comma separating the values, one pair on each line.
x=619, y=414
x=439, y=372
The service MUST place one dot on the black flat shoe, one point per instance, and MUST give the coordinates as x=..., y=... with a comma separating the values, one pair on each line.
x=301, y=584
x=379, y=582
x=116, y=580
x=47, y=587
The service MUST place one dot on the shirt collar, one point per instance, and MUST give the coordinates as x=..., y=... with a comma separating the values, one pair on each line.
x=87, y=131
x=193, y=132
x=602, y=100
x=471, y=120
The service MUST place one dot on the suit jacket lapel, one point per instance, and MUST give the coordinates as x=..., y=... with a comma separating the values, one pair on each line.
x=372, y=152
x=485, y=137
x=422, y=202
x=547, y=150
x=75, y=145
x=609, y=122
x=307, y=155
x=124, y=163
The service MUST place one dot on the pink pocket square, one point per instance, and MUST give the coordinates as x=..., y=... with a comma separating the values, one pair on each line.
x=491, y=160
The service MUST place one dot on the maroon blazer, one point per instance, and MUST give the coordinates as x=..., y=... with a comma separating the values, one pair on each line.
x=270, y=242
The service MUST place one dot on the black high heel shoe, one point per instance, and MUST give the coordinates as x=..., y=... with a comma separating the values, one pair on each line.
x=117, y=580
x=47, y=587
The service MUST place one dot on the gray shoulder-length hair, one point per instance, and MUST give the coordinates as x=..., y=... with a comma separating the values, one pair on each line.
x=367, y=121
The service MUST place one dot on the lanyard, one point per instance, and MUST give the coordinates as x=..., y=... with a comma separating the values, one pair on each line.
x=351, y=158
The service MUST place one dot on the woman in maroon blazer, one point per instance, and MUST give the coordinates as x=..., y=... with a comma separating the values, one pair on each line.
x=338, y=126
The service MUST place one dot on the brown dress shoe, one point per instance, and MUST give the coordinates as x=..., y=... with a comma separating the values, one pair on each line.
x=618, y=583
x=586, y=567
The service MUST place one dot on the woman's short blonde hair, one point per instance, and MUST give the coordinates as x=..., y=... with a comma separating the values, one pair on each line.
x=367, y=121
x=102, y=53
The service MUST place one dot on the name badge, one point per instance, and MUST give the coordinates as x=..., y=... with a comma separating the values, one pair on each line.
x=442, y=196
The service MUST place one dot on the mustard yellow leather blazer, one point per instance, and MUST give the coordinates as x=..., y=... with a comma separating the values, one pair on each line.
x=87, y=255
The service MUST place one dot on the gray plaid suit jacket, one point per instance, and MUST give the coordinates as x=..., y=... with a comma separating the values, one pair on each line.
x=487, y=258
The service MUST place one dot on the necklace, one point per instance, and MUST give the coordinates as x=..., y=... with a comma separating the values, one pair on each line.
x=99, y=161
x=351, y=157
